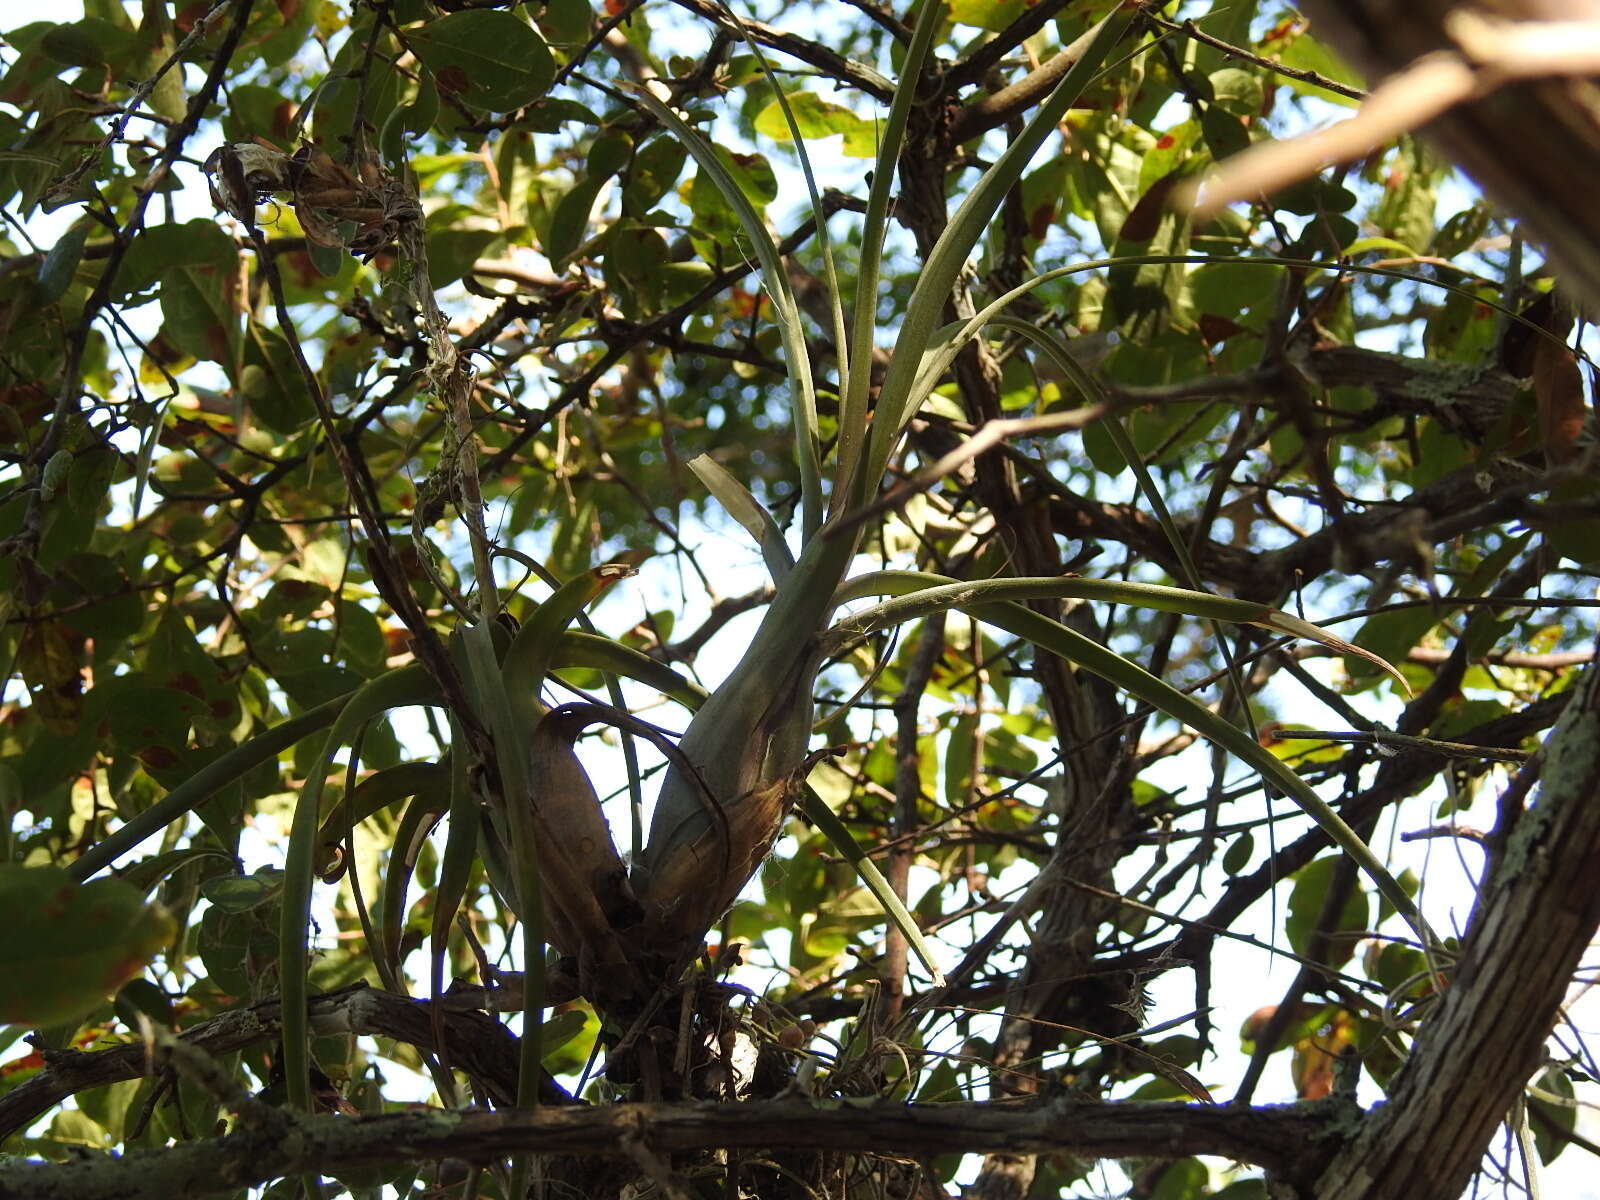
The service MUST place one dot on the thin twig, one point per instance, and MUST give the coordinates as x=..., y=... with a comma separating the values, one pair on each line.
x=1299, y=74
x=1400, y=741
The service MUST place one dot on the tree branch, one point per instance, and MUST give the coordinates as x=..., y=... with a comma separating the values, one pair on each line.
x=990, y=112
x=479, y=1045
x=1534, y=922
x=1278, y=1138
x=1533, y=146
x=976, y=65
x=830, y=62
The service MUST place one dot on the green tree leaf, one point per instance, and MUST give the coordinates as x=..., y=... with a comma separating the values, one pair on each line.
x=484, y=58
x=66, y=947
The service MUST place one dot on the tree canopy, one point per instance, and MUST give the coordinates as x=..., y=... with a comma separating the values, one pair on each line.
x=795, y=601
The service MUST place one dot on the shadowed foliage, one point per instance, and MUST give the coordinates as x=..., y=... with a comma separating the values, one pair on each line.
x=670, y=600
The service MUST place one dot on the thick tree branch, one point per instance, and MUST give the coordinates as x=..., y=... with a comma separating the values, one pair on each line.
x=1279, y=1138
x=992, y=111
x=981, y=61
x=1535, y=920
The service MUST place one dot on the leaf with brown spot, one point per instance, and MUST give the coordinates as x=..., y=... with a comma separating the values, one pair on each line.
x=50, y=661
x=65, y=947
x=452, y=81
x=176, y=661
x=1216, y=329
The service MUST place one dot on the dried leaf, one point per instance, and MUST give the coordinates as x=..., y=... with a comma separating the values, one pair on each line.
x=1558, y=388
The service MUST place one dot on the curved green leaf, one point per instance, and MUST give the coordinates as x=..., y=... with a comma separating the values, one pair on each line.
x=744, y=508
x=786, y=313
x=980, y=600
x=604, y=654
x=426, y=810
x=536, y=645
x=922, y=594
x=397, y=689
x=838, y=833
x=374, y=793
x=852, y=483
x=945, y=262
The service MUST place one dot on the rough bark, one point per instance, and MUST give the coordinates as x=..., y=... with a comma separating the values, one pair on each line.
x=1533, y=924
x=1274, y=1137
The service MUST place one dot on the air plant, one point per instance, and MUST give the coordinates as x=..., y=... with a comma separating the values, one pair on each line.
x=515, y=791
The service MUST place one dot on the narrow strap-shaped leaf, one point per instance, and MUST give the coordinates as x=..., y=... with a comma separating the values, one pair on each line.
x=920, y=593
x=509, y=726
x=1091, y=656
x=396, y=689
x=1056, y=350
x=455, y=869
x=536, y=645
x=838, y=833
x=373, y=794
x=488, y=685
x=830, y=271
x=427, y=809
x=852, y=484
x=945, y=262
x=603, y=654
x=786, y=313
x=1058, y=639
x=748, y=511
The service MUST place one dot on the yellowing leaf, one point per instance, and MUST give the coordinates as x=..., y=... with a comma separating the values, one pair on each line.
x=993, y=15
x=819, y=118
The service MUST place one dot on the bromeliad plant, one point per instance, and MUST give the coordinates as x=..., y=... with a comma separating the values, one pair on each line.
x=753, y=731
x=627, y=928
